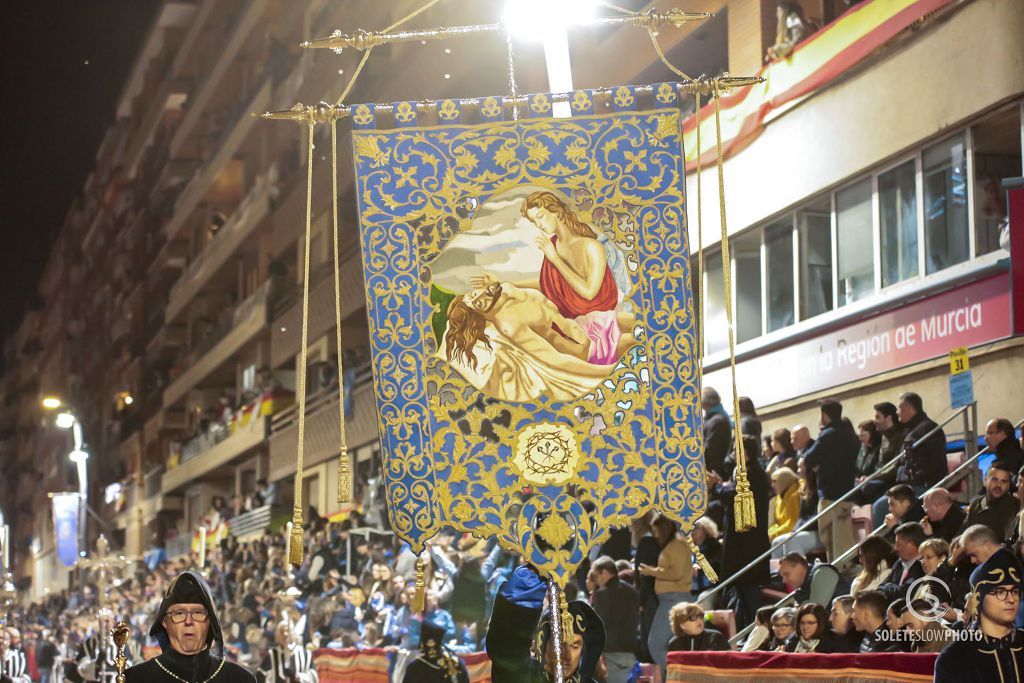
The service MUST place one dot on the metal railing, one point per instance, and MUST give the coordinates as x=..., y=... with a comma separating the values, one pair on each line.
x=965, y=469
x=708, y=597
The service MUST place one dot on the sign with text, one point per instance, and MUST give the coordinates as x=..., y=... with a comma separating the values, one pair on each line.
x=969, y=315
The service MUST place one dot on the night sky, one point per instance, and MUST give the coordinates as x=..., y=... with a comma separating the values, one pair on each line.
x=63, y=69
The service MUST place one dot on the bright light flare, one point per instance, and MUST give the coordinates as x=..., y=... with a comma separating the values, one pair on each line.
x=52, y=403
x=65, y=420
x=78, y=456
x=532, y=19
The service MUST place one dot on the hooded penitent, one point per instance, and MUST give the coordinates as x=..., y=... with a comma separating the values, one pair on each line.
x=188, y=588
x=1002, y=569
x=585, y=622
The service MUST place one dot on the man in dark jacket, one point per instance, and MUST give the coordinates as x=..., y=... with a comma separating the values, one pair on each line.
x=514, y=628
x=1001, y=438
x=944, y=518
x=834, y=455
x=924, y=465
x=717, y=432
x=869, y=618
x=996, y=507
x=894, y=433
x=908, y=568
x=187, y=628
x=618, y=605
x=820, y=584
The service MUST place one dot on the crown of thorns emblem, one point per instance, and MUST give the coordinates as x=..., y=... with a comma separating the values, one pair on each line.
x=546, y=454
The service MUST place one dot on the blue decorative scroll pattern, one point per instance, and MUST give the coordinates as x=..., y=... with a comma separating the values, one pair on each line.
x=624, y=172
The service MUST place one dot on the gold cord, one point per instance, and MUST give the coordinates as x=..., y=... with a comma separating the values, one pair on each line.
x=366, y=53
x=344, y=473
x=664, y=59
x=295, y=549
x=700, y=262
x=744, y=511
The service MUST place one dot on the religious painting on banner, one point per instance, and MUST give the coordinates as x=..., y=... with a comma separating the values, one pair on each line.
x=531, y=324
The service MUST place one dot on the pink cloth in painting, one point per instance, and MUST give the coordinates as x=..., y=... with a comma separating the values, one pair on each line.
x=603, y=329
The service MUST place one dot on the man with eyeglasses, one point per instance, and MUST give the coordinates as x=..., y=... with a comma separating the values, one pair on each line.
x=190, y=638
x=997, y=652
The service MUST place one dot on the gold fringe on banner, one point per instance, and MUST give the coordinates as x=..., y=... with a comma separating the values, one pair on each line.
x=419, y=600
x=745, y=514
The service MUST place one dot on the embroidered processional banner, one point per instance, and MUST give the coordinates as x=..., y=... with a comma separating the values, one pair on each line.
x=531, y=321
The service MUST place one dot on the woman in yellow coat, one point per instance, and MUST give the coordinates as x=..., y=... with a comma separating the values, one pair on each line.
x=786, y=485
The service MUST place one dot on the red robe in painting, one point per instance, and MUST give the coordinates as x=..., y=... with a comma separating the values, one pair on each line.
x=597, y=316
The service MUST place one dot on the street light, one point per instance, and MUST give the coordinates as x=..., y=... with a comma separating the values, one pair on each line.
x=78, y=455
x=547, y=21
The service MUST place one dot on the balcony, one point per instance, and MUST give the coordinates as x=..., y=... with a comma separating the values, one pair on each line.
x=321, y=439
x=205, y=454
x=253, y=524
x=254, y=207
x=225, y=148
x=247, y=321
x=243, y=25
x=285, y=335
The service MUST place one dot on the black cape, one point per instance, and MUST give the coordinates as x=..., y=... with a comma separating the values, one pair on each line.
x=982, y=661
x=194, y=669
x=422, y=671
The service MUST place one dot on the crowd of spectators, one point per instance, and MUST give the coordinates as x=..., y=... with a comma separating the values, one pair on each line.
x=356, y=590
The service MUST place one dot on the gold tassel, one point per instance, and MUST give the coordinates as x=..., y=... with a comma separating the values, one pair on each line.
x=344, y=478
x=295, y=541
x=705, y=566
x=566, y=615
x=746, y=516
x=419, y=600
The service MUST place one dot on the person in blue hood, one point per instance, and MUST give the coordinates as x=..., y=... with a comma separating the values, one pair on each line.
x=187, y=628
x=519, y=647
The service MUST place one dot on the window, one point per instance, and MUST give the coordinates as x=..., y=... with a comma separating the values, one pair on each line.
x=815, y=234
x=897, y=202
x=946, y=239
x=997, y=155
x=746, y=253
x=855, y=249
x=778, y=247
x=715, y=322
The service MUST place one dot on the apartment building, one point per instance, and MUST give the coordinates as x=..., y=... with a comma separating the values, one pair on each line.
x=169, y=313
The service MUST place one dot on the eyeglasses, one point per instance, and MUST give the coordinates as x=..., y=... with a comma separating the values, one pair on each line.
x=1001, y=593
x=695, y=617
x=179, y=616
x=783, y=624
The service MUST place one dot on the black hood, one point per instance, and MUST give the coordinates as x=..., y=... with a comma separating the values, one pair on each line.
x=588, y=624
x=188, y=587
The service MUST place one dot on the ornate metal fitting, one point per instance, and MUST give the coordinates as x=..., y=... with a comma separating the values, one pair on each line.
x=654, y=18
x=338, y=41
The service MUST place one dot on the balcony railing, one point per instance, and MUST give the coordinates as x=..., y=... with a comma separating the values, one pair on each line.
x=234, y=331
x=254, y=207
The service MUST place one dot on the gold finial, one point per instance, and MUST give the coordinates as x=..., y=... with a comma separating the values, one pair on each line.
x=119, y=634
x=654, y=18
x=338, y=41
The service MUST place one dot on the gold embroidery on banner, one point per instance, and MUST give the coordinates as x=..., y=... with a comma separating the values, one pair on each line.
x=666, y=93
x=404, y=112
x=624, y=97
x=448, y=111
x=478, y=486
x=581, y=101
x=546, y=454
x=363, y=116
